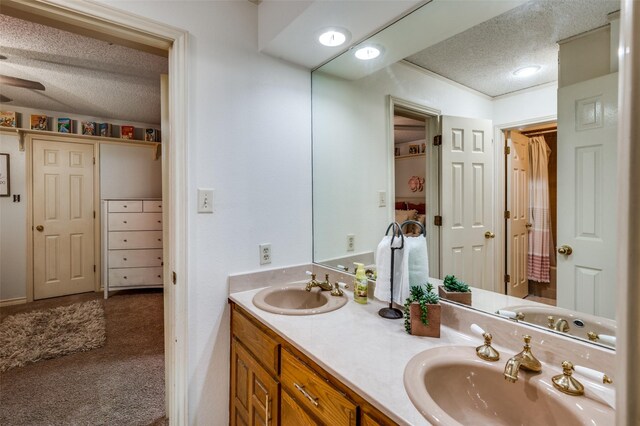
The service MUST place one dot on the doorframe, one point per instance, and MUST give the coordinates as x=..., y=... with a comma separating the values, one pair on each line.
x=111, y=23
x=499, y=191
x=432, y=199
x=97, y=235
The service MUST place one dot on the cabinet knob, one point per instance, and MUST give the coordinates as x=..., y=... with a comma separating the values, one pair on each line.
x=124, y=221
x=125, y=206
x=125, y=241
x=159, y=239
x=125, y=277
x=159, y=276
x=159, y=221
x=124, y=258
x=159, y=258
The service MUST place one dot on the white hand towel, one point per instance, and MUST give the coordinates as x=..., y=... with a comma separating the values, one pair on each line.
x=383, y=267
x=414, y=268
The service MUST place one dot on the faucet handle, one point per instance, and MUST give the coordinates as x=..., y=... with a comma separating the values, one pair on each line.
x=527, y=341
x=566, y=383
x=590, y=373
x=336, y=291
x=486, y=351
x=551, y=321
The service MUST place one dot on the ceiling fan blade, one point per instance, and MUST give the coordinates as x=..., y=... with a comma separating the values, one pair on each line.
x=19, y=82
x=4, y=99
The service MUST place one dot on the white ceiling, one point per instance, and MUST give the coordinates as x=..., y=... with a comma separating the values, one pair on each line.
x=81, y=75
x=407, y=129
x=485, y=56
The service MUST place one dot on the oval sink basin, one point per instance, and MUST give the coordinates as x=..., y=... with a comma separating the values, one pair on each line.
x=452, y=386
x=580, y=324
x=293, y=299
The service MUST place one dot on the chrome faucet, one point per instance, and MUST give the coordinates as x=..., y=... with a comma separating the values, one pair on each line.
x=524, y=359
x=324, y=285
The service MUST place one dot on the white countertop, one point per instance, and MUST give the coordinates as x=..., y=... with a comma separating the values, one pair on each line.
x=363, y=350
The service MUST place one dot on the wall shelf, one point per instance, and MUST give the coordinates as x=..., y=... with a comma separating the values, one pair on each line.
x=156, y=146
x=398, y=157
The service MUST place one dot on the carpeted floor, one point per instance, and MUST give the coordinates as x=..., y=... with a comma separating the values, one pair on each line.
x=121, y=383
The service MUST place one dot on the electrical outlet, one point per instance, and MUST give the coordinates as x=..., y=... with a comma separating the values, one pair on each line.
x=205, y=200
x=351, y=242
x=265, y=253
x=382, y=198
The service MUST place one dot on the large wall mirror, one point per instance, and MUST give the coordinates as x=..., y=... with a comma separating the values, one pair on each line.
x=494, y=123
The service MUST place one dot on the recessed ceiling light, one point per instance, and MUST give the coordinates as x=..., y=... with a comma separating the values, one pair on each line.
x=368, y=52
x=333, y=37
x=527, y=71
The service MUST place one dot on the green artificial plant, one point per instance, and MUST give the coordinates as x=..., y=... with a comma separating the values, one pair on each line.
x=423, y=295
x=451, y=283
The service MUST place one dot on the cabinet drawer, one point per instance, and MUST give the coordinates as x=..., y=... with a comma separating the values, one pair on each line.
x=152, y=206
x=135, y=240
x=123, y=277
x=135, y=258
x=135, y=221
x=263, y=347
x=315, y=394
x=125, y=206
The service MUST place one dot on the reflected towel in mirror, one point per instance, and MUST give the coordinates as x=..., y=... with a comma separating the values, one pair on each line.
x=383, y=266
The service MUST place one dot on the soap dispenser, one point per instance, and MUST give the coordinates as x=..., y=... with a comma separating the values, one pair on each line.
x=360, y=284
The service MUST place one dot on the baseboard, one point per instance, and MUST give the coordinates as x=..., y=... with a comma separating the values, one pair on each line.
x=15, y=301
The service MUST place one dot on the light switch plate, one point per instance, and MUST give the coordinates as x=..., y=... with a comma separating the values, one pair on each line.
x=205, y=200
x=382, y=198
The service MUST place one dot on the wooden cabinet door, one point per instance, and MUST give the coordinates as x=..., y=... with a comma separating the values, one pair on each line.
x=293, y=414
x=254, y=393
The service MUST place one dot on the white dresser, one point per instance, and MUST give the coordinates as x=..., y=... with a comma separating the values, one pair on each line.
x=132, y=244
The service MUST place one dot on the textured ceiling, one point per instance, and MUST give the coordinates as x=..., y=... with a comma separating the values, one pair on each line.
x=485, y=56
x=82, y=75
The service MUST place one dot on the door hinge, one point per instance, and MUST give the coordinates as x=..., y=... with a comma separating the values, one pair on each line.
x=94, y=214
x=174, y=277
x=437, y=140
x=94, y=160
x=507, y=278
x=94, y=268
x=507, y=150
x=437, y=220
x=507, y=214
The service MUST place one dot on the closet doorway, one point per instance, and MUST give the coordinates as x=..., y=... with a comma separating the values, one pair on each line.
x=531, y=213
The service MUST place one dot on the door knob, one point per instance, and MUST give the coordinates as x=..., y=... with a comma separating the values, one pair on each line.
x=528, y=225
x=40, y=228
x=489, y=234
x=565, y=249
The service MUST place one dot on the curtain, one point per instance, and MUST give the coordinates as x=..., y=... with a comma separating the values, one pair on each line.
x=540, y=238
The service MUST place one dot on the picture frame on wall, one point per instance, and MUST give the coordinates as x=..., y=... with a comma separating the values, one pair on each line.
x=5, y=189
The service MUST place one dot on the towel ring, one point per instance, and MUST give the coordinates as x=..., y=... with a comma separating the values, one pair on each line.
x=414, y=222
x=397, y=232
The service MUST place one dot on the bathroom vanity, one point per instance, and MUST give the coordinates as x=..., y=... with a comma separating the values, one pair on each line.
x=348, y=366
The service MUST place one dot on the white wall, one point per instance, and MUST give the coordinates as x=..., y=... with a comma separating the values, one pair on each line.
x=129, y=172
x=526, y=105
x=249, y=139
x=13, y=224
x=351, y=151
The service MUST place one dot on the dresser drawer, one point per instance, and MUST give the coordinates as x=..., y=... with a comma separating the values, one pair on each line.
x=123, y=277
x=316, y=394
x=135, y=221
x=152, y=206
x=262, y=346
x=135, y=258
x=135, y=240
x=125, y=206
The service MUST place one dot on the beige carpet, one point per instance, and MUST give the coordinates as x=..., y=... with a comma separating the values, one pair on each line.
x=121, y=383
x=43, y=334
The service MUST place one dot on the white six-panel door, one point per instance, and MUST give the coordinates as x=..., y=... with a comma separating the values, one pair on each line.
x=63, y=206
x=587, y=139
x=518, y=206
x=467, y=201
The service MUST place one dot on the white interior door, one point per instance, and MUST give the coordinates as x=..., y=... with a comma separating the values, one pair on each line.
x=63, y=234
x=587, y=139
x=467, y=200
x=517, y=205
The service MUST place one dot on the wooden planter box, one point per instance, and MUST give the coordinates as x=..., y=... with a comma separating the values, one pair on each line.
x=455, y=296
x=433, y=316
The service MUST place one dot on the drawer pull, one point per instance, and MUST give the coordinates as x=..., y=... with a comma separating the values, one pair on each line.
x=125, y=241
x=306, y=394
x=266, y=411
x=159, y=258
x=125, y=206
x=159, y=239
x=124, y=258
x=159, y=276
x=159, y=221
x=125, y=277
x=124, y=221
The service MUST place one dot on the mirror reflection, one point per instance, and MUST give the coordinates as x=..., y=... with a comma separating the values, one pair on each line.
x=496, y=128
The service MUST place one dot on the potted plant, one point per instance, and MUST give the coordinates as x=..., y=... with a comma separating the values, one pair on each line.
x=422, y=312
x=455, y=290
